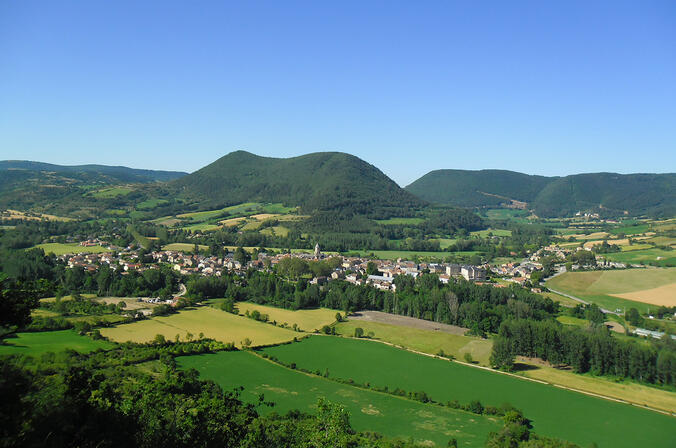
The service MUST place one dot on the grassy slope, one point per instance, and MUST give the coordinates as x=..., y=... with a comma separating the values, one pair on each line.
x=369, y=411
x=50, y=341
x=422, y=340
x=587, y=419
x=213, y=323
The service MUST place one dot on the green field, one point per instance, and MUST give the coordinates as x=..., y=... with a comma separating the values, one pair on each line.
x=276, y=230
x=657, y=257
x=555, y=412
x=491, y=232
x=598, y=286
x=630, y=229
x=369, y=410
x=202, y=227
x=422, y=340
x=307, y=320
x=70, y=248
x=50, y=341
x=214, y=323
x=506, y=213
x=400, y=221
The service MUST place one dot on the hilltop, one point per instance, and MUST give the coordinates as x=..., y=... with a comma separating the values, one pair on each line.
x=606, y=193
x=319, y=181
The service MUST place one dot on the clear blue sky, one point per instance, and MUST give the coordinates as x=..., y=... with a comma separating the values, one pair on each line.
x=536, y=87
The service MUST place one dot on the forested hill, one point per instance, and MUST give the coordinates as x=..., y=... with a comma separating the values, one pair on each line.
x=323, y=181
x=607, y=193
x=24, y=169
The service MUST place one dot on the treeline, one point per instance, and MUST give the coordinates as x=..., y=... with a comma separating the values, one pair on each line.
x=591, y=350
x=47, y=277
x=481, y=308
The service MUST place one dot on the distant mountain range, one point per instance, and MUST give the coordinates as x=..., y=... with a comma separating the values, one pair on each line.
x=607, y=193
x=110, y=174
x=317, y=181
x=335, y=182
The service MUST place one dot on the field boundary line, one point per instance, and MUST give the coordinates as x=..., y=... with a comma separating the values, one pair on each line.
x=560, y=386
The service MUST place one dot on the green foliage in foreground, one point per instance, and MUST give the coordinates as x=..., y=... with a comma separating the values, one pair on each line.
x=104, y=400
x=585, y=419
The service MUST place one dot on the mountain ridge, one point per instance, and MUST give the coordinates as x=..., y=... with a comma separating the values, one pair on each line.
x=555, y=196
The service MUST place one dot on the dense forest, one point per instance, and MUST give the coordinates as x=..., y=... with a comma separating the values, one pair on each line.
x=592, y=350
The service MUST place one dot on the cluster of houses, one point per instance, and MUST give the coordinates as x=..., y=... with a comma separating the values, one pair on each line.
x=351, y=269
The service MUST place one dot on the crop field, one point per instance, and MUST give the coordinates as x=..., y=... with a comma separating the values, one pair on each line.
x=400, y=221
x=70, y=248
x=214, y=323
x=609, y=288
x=369, y=410
x=202, y=227
x=50, y=341
x=631, y=229
x=426, y=341
x=587, y=419
x=307, y=320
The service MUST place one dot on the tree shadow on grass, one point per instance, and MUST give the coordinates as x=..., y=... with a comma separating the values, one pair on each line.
x=523, y=367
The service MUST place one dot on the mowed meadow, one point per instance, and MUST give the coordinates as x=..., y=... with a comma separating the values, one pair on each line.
x=643, y=289
x=211, y=322
x=38, y=343
x=369, y=410
x=587, y=419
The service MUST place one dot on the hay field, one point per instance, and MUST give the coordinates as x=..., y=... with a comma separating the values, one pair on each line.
x=50, y=341
x=71, y=248
x=214, y=323
x=664, y=295
x=307, y=320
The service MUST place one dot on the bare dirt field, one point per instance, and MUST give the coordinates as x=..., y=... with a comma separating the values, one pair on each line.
x=404, y=321
x=663, y=295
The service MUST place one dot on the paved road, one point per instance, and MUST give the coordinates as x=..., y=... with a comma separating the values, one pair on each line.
x=603, y=310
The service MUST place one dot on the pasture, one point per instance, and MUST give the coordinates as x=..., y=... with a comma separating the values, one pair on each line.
x=491, y=232
x=70, y=248
x=369, y=410
x=410, y=254
x=307, y=320
x=36, y=344
x=426, y=341
x=276, y=231
x=653, y=256
x=609, y=288
x=183, y=247
x=587, y=419
x=213, y=323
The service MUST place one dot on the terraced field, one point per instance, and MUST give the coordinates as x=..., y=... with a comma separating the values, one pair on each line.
x=369, y=410
x=587, y=419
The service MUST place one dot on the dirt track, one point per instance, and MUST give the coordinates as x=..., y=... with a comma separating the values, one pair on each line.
x=404, y=321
